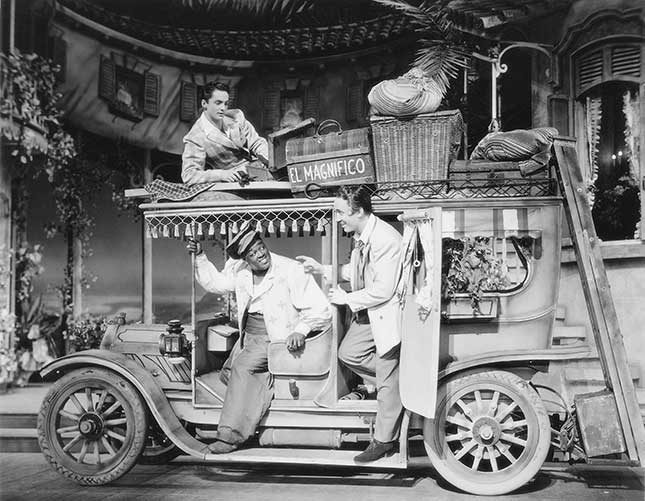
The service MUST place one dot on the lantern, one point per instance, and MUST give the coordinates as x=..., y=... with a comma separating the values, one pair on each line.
x=173, y=343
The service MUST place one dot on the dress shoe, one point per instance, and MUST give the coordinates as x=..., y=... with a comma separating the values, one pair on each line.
x=220, y=447
x=361, y=392
x=376, y=450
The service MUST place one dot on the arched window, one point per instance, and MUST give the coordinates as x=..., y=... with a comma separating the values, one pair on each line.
x=608, y=82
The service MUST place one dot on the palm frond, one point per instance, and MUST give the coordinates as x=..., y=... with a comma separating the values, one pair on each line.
x=444, y=51
x=442, y=61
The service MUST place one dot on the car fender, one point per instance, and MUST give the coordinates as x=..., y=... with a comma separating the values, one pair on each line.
x=519, y=358
x=144, y=383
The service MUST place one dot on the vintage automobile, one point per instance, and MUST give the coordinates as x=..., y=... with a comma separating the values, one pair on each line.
x=473, y=365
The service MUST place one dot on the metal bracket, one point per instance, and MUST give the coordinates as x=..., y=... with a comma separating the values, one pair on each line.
x=498, y=68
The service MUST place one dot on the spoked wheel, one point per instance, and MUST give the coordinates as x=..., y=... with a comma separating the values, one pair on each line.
x=491, y=433
x=92, y=426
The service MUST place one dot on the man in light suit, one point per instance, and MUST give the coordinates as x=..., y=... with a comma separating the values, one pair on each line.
x=371, y=345
x=222, y=145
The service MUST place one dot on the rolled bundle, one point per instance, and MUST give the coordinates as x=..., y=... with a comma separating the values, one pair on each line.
x=410, y=94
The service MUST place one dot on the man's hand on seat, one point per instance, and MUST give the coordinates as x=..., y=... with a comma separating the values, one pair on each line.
x=295, y=341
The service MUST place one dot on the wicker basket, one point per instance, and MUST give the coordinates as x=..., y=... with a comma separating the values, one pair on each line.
x=416, y=148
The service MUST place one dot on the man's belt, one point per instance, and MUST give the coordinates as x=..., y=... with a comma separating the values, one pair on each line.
x=361, y=317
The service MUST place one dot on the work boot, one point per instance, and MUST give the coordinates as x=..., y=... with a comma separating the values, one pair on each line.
x=376, y=450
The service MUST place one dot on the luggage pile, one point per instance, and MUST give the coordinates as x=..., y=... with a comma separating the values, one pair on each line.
x=407, y=142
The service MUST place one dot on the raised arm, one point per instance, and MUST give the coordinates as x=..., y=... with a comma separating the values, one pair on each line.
x=213, y=280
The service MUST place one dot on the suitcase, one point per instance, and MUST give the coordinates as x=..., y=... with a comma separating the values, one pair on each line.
x=332, y=159
x=502, y=178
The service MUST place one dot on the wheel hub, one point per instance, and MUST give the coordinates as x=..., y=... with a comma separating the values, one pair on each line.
x=90, y=425
x=486, y=430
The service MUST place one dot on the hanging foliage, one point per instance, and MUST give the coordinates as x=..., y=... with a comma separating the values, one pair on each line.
x=77, y=168
x=29, y=117
x=444, y=51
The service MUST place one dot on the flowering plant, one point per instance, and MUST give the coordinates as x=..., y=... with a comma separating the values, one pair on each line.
x=29, y=115
x=8, y=360
x=85, y=333
x=471, y=267
x=28, y=267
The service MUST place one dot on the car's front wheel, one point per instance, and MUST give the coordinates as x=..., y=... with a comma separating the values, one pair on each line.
x=92, y=426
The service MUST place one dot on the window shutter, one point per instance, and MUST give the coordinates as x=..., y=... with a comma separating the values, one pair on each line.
x=626, y=61
x=232, y=96
x=354, y=102
x=559, y=113
x=271, y=107
x=590, y=70
x=59, y=56
x=188, y=102
x=107, y=79
x=151, y=93
x=311, y=108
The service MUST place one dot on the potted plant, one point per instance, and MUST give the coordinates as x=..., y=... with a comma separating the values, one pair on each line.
x=470, y=271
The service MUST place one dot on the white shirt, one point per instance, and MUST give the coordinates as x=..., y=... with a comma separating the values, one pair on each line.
x=289, y=298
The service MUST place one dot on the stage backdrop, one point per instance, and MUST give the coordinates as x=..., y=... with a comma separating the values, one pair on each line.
x=117, y=94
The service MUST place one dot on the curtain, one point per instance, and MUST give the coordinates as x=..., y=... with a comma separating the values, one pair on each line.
x=631, y=109
x=593, y=114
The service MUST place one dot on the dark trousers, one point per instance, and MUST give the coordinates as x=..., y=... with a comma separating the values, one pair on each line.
x=250, y=385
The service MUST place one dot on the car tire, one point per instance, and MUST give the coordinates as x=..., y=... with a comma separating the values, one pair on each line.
x=92, y=426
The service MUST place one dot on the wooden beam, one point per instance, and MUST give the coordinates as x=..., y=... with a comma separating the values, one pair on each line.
x=595, y=285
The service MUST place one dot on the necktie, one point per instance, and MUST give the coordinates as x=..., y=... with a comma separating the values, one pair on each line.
x=360, y=266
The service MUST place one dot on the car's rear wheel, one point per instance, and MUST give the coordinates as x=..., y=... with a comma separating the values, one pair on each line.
x=491, y=433
x=92, y=426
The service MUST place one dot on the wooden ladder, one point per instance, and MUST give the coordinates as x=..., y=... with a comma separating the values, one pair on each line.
x=595, y=285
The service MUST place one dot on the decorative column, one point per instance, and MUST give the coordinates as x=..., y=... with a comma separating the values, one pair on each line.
x=146, y=253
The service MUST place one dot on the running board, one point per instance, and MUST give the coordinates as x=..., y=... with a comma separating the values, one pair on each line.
x=324, y=457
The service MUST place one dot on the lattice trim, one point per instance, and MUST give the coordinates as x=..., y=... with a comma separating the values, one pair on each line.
x=464, y=188
x=277, y=223
x=450, y=189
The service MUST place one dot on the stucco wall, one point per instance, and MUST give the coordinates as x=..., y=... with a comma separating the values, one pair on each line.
x=627, y=281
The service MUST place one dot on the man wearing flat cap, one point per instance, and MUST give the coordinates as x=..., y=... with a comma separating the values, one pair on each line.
x=276, y=301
